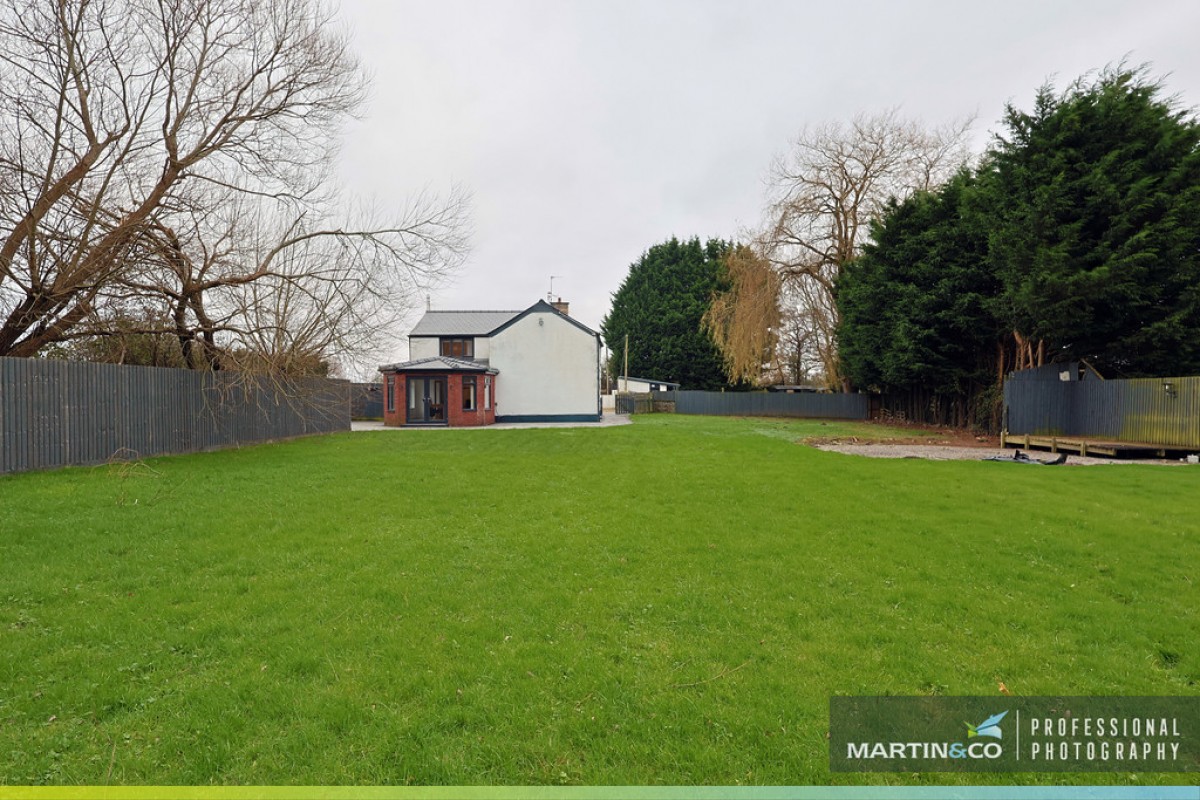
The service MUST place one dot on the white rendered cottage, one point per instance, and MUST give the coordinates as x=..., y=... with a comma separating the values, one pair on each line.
x=479, y=367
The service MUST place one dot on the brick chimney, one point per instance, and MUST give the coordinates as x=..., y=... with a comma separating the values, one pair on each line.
x=561, y=307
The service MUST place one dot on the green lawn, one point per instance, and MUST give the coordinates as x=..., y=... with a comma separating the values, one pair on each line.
x=668, y=602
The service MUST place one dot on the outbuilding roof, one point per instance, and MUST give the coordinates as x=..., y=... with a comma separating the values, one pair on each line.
x=462, y=323
x=648, y=380
x=440, y=364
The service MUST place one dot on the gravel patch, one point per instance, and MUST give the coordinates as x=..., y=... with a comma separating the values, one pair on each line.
x=948, y=453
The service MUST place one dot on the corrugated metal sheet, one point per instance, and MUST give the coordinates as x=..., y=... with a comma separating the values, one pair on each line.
x=1154, y=414
x=1164, y=411
x=1043, y=407
x=59, y=413
x=769, y=404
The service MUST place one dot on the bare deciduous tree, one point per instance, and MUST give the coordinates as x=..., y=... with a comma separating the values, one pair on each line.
x=826, y=190
x=167, y=161
x=259, y=284
x=796, y=359
x=315, y=291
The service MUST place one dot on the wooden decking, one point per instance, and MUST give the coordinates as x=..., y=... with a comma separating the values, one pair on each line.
x=1092, y=447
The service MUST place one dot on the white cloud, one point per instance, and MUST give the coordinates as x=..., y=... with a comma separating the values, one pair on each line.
x=589, y=131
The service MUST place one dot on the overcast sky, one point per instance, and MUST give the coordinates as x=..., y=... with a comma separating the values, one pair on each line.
x=590, y=131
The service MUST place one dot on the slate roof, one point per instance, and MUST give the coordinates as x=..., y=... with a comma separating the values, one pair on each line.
x=440, y=364
x=462, y=323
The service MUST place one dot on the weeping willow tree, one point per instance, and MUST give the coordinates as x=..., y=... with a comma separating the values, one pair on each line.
x=743, y=320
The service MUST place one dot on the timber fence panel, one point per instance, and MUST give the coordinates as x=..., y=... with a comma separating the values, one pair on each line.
x=10, y=452
x=366, y=401
x=57, y=413
x=769, y=404
x=635, y=402
x=1042, y=407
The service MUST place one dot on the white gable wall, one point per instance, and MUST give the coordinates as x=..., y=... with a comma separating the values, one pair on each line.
x=548, y=367
x=483, y=348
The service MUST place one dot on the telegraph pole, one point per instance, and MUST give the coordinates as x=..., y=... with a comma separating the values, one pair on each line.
x=627, y=362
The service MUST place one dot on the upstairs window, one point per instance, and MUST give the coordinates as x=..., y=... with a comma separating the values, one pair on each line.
x=458, y=348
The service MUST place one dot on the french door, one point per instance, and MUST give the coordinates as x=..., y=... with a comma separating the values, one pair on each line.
x=426, y=400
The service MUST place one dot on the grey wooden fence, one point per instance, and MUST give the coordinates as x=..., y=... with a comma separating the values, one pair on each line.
x=1052, y=401
x=634, y=402
x=769, y=404
x=366, y=401
x=61, y=413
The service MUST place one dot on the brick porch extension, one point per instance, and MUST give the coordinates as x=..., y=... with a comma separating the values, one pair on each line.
x=395, y=387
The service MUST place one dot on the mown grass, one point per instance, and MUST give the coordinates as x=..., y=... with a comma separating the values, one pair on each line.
x=671, y=602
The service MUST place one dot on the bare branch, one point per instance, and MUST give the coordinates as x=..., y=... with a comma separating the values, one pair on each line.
x=164, y=172
x=823, y=195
